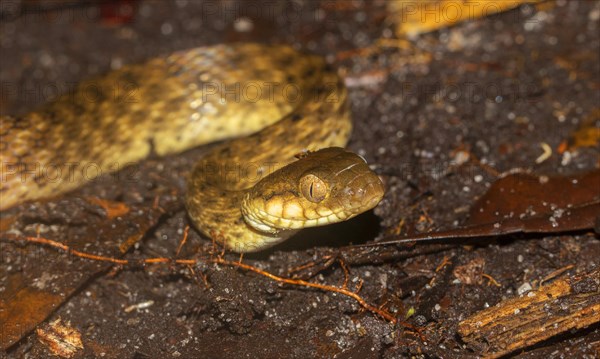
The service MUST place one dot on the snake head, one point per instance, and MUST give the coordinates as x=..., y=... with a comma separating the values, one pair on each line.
x=327, y=186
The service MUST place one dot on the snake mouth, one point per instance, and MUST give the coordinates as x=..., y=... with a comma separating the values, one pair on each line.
x=361, y=200
x=266, y=222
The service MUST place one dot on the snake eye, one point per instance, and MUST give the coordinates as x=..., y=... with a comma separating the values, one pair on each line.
x=313, y=188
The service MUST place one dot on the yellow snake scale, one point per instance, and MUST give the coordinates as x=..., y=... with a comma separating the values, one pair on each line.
x=250, y=192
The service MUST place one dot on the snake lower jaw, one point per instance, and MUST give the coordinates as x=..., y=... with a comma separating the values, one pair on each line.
x=267, y=223
x=256, y=223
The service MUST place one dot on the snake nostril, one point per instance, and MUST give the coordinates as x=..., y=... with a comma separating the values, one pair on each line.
x=361, y=192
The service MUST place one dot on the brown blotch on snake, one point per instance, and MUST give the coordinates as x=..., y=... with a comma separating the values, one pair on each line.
x=185, y=100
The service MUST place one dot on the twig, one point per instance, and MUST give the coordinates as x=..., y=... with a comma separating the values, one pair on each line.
x=186, y=231
x=517, y=323
x=217, y=260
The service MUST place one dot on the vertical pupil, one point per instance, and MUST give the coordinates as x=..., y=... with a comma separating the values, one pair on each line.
x=310, y=189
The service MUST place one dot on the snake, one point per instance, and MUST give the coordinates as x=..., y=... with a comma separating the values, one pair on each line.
x=280, y=119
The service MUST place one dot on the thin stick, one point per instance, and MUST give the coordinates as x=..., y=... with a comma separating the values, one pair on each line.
x=385, y=315
x=186, y=231
x=218, y=260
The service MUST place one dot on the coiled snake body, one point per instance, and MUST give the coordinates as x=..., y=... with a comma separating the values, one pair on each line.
x=249, y=192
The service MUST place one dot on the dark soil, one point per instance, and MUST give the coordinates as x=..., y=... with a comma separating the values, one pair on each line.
x=496, y=88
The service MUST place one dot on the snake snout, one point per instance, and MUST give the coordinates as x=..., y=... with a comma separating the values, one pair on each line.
x=364, y=192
